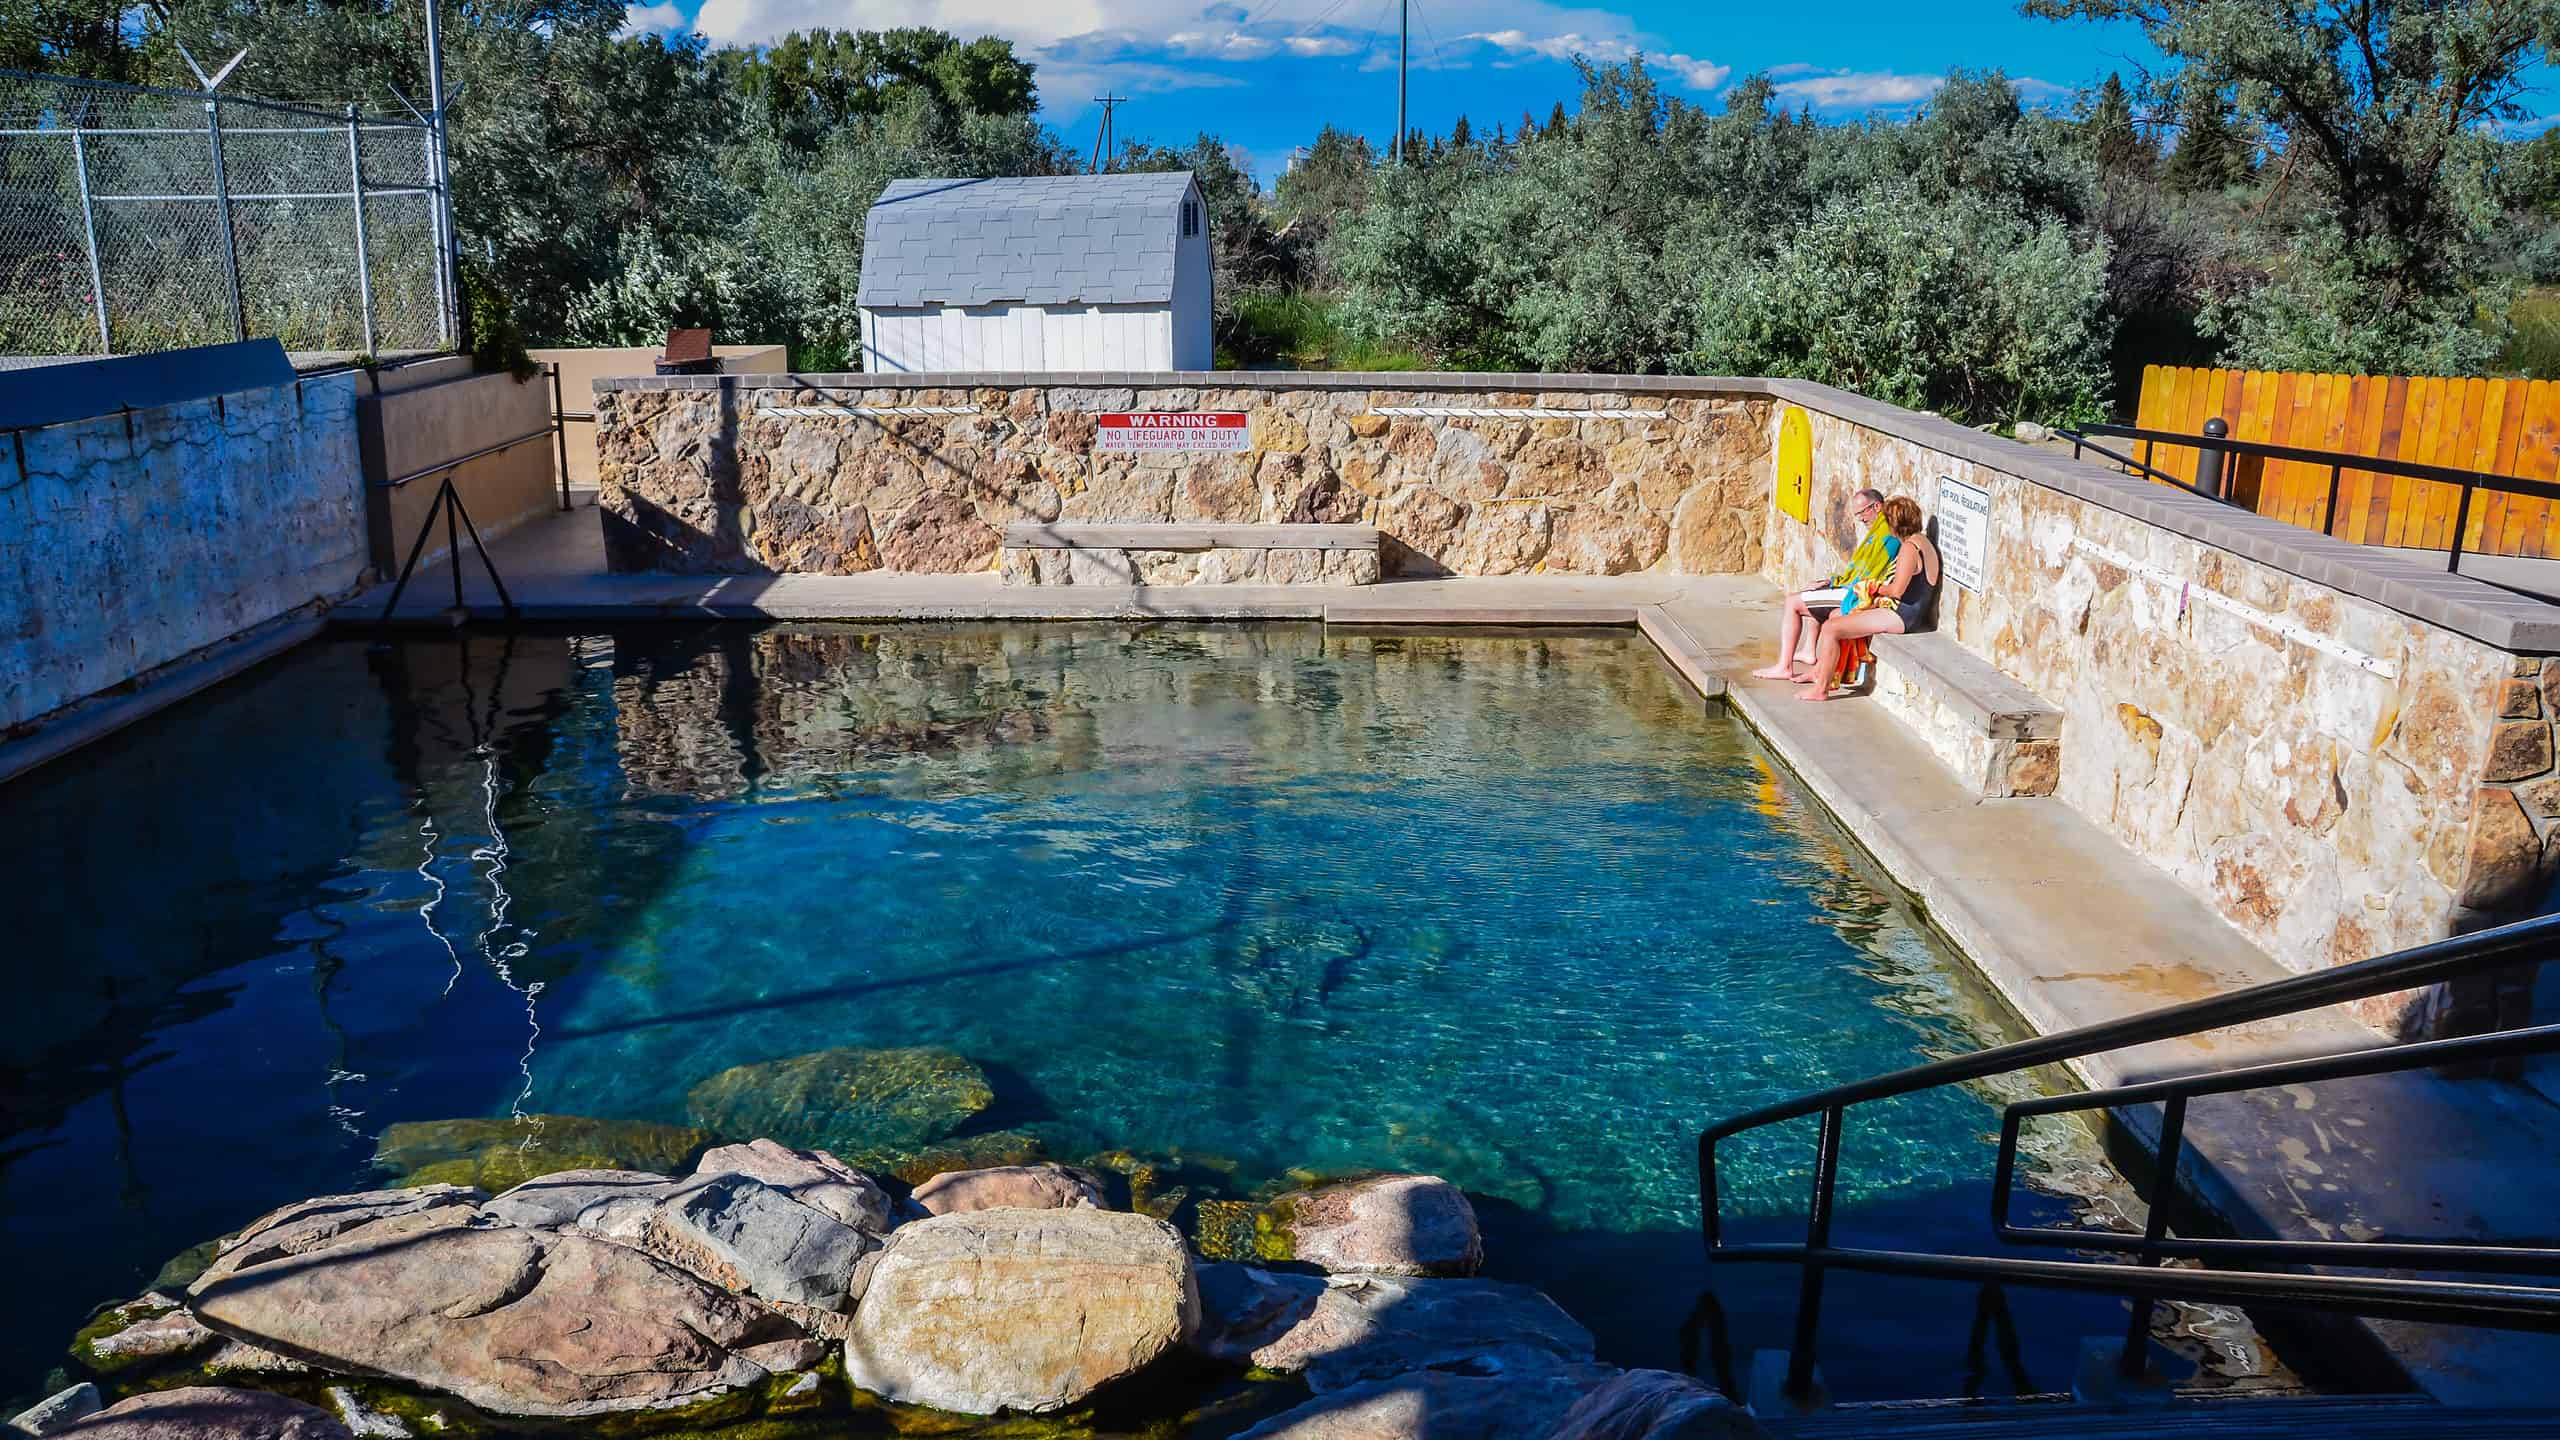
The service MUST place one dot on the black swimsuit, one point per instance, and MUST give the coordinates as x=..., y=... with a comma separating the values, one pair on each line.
x=1919, y=603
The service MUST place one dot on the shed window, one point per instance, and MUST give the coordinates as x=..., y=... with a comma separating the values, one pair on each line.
x=1190, y=219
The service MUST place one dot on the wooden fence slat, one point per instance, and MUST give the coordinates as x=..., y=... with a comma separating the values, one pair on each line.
x=2494, y=427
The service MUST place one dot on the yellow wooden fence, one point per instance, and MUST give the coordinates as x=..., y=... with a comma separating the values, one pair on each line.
x=2497, y=427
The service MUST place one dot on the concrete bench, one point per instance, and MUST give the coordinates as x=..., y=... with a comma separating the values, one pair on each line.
x=2000, y=738
x=1104, y=553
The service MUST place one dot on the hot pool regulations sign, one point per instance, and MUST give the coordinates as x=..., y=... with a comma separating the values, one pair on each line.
x=1173, y=430
x=1964, y=531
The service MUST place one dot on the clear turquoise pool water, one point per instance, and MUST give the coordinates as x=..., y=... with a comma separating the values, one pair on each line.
x=1515, y=910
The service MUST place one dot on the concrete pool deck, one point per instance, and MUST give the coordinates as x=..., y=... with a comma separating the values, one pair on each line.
x=2068, y=925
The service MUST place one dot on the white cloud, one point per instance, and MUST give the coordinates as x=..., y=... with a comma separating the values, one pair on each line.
x=662, y=18
x=1856, y=89
x=1608, y=49
x=1219, y=45
x=1320, y=47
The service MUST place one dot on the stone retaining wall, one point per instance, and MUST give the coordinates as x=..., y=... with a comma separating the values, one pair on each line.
x=696, y=478
x=2330, y=809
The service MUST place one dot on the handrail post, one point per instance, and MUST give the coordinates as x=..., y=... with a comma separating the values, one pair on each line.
x=2329, y=516
x=2210, y=459
x=1817, y=1236
x=2155, y=1228
x=560, y=431
x=2461, y=523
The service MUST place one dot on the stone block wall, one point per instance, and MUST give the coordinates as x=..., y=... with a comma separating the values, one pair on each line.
x=2330, y=809
x=696, y=478
x=123, y=549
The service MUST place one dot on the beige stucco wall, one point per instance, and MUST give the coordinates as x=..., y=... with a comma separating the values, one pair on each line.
x=697, y=480
x=407, y=430
x=2328, y=811
x=582, y=367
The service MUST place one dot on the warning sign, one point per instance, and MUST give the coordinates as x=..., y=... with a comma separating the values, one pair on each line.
x=1173, y=430
x=1964, y=531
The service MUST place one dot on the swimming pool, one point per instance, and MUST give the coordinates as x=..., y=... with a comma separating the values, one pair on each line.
x=1253, y=900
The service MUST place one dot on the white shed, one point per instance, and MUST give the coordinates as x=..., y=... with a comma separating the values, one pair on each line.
x=1067, y=272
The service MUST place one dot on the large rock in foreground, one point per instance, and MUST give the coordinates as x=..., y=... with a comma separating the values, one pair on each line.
x=517, y=1322
x=1382, y=1225
x=1371, y=1327
x=1028, y=1310
x=1009, y=1187
x=849, y=1101
x=202, y=1413
x=1437, y=1405
x=1656, y=1405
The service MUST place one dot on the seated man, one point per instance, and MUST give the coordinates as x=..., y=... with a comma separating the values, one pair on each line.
x=1901, y=603
x=1872, y=560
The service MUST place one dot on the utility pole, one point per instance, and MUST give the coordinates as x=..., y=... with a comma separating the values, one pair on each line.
x=1102, y=139
x=1404, y=41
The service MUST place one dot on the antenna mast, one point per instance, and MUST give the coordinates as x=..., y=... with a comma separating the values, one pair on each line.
x=1102, y=139
x=1404, y=41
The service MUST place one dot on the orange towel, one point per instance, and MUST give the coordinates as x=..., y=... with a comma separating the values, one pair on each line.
x=1853, y=654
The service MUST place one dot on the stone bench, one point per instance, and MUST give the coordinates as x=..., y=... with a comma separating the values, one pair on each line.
x=2000, y=738
x=1189, y=554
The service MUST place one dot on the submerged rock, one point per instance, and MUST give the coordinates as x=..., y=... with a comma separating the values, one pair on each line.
x=1370, y=1327
x=1243, y=1309
x=1438, y=1405
x=525, y=1323
x=504, y=1152
x=847, y=1100
x=1009, y=1187
x=1383, y=1225
x=205, y=1413
x=1029, y=1310
x=917, y=1164
x=1656, y=1405
x=812, y=1177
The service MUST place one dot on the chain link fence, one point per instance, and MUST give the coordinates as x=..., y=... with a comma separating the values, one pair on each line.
x=134, y=220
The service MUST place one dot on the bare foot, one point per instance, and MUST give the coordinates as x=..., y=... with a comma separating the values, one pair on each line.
x=1819, y=692
x=1804, y=677
x=1778, y=671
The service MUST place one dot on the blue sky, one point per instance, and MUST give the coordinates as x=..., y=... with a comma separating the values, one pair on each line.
x=1266, y=74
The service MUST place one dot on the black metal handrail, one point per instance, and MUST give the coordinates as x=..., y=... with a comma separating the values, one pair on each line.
x=2339, y=463
x=2506, y=1306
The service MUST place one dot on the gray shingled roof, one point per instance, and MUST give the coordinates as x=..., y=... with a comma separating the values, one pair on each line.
x=1051, y=240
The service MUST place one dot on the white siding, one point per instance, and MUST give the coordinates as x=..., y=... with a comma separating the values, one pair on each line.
x=1026, y=337
x=1194, y=302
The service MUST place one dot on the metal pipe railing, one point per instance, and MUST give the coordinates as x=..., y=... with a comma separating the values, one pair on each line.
x=2523, y=942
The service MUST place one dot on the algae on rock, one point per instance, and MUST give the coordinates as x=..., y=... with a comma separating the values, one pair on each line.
x=500, y=1153
x=852, y=1101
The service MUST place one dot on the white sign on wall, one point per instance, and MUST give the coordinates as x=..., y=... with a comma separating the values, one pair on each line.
x=1964, y=531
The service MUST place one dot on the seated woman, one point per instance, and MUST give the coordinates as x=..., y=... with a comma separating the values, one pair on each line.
x=1906, y=601
x=1872, y=560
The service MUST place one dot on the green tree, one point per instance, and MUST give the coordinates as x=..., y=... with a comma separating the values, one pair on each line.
x=67, y=37
x=814, y=83
x=2382, y=109
x=2118, y=144
x=2211, y=153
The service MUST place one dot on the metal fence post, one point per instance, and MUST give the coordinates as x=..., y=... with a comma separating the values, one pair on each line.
x=364, y=252
x=89, y=228
x=222, y=217
x=437, y=239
